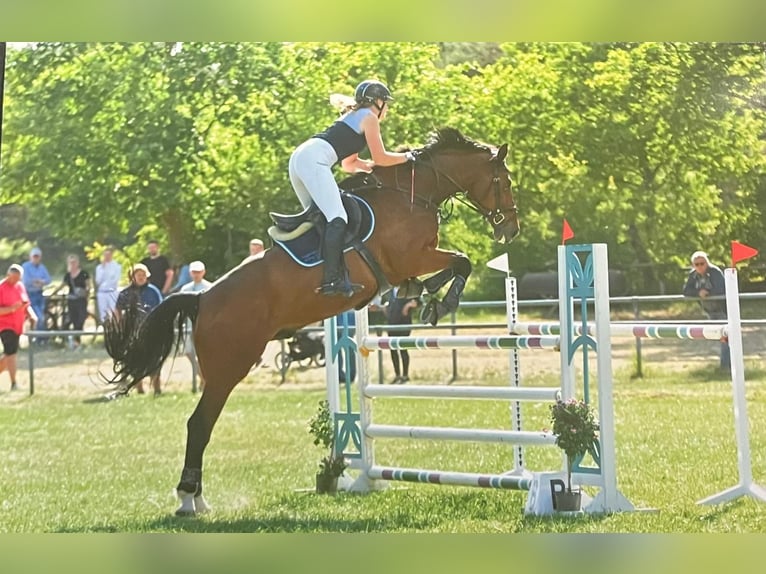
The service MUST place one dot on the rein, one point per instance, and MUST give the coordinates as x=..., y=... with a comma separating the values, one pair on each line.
x=493, y=216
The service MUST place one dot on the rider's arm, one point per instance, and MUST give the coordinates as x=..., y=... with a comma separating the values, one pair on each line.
x=380, y=156
x=354, y=164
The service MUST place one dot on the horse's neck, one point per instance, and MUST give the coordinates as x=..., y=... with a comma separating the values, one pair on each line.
x=431, y=181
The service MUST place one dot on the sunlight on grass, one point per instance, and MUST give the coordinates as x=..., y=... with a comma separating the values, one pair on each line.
x=88, y=466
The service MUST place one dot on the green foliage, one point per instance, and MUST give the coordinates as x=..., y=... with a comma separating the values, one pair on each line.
x=576, y=430
x=321, y=427
x=653, y=148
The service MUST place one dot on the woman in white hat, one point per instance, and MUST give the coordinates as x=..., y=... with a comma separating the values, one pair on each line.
x=140, y=296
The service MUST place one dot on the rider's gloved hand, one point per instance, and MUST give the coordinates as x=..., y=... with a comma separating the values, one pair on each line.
x=412, y=155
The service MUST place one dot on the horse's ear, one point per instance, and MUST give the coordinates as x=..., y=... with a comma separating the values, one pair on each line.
x=502, y=151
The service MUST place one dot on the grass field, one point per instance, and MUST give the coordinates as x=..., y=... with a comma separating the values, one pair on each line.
x=73, y=462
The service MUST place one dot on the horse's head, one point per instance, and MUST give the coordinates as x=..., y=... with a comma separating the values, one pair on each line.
x=496, y=198
x=477, y=175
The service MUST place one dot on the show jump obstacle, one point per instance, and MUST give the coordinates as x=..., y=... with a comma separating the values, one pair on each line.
x=583, y=277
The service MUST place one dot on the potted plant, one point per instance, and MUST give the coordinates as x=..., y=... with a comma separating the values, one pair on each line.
x=576, y=430
x=332, y=465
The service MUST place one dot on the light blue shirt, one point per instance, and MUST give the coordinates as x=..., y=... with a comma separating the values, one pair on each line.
x=193, y=287
x=33, y=275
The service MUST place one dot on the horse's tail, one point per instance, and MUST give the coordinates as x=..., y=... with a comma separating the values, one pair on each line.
x=139, y=344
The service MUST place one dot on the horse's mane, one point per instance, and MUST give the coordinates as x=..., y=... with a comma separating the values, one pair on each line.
x=447, y=138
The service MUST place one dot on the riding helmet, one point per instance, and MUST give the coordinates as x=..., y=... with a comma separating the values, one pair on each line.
x=371, y=90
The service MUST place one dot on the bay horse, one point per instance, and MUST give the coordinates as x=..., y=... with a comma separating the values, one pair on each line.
x=268, y=297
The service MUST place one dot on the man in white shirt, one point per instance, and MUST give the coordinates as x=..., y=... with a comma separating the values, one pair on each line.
x=196, y=285
x=257, y=250
x=108, y=275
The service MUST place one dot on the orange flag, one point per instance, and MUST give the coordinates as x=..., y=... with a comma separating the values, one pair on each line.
x=567, y=233
x=740, y=252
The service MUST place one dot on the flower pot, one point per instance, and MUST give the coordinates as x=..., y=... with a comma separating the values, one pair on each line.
x=326, y=484
x=563, y=500
x=566, y=501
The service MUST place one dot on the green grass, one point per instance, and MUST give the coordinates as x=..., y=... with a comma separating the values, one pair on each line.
x=81, y=465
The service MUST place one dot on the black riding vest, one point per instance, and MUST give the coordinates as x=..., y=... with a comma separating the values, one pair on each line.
x=343, y=138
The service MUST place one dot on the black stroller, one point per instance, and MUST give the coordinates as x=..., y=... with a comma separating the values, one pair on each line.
x=305, y=348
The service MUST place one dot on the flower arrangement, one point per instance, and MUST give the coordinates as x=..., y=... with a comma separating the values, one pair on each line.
x=321, y=427
x=576, y=430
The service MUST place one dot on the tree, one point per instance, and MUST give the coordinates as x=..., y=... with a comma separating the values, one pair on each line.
x=654, y=149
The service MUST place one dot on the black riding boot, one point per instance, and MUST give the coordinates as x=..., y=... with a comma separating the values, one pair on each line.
x=335, y=281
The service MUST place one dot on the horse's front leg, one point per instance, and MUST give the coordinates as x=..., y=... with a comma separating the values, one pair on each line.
x=459, y=271
x=413, y=287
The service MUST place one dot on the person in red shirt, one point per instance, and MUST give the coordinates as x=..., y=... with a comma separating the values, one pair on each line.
x=14, y=307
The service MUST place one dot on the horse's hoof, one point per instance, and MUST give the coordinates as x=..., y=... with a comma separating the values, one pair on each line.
x=182, y=513
x=430, y=313
x=187, y=507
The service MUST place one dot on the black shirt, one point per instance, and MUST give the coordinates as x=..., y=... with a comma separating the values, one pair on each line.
x=78, y=287
x=157, y=267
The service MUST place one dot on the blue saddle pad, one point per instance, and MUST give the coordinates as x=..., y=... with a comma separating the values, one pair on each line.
x=306, y=250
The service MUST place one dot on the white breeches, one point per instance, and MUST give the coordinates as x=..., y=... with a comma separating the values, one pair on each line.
x=312, y=179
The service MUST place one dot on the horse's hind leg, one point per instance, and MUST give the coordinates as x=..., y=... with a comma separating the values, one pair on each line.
x=199, y=428
x=221, y=372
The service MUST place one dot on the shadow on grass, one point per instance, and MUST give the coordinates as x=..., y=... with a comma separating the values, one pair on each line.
x=704, y=373
x=713, y=513
x=712, y=374
x=406, y=510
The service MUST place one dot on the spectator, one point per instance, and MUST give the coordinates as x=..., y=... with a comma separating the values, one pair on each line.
x=36, y=278
x=182, y=278
x=198, y=284
x=144, y=296
x=399, y=312
x=78, y=282
x=14, y=306
x=705, y=280
x=108, y=275
x=256, y=250
x=159, y=269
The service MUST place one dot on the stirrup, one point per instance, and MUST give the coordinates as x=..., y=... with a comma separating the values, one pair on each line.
x=339, y=287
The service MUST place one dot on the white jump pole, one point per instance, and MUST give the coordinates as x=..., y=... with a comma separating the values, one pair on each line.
x=514, y=365
x=746, y=486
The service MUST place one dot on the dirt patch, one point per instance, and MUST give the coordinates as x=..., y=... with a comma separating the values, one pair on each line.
x=81, y=373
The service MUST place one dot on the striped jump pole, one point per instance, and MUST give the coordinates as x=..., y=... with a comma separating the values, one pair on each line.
x=644, y=331
x=507, y=482
x=459, y=342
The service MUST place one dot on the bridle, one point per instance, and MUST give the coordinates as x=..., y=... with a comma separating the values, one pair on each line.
x=495, y=216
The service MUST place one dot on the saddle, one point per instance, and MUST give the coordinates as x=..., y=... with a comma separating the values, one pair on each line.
x=301, y=234
x=287, y=227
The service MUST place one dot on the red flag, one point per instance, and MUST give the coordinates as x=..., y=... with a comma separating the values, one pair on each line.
x=567, y=233
x=740, y=252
